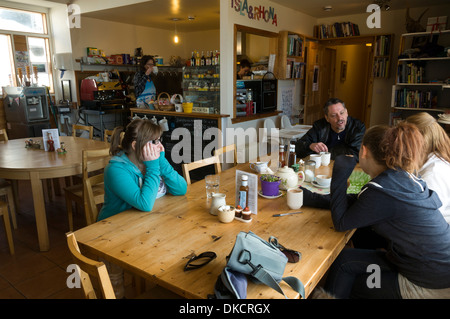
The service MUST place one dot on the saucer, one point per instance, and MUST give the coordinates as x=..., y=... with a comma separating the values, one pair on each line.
x=270, y=197
x=314, y=183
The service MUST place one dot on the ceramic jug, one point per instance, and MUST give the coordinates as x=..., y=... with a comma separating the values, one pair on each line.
x=218, y=200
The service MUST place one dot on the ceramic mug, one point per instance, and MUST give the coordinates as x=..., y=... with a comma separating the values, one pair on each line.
x=294, y=198
x=259, y=167
x=316, y=158
x=325, y=158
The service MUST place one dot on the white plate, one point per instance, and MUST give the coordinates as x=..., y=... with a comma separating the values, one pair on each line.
x=314, y=183
x=270, y=197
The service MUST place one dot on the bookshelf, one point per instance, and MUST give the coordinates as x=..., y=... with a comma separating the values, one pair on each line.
x=382, y=56
x=336, y=30
x=291, y=51
x=422, y=80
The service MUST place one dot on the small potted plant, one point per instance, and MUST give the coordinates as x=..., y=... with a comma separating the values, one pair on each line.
x=270, y=184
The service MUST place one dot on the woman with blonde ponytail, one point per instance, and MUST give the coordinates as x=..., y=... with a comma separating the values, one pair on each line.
x=398, y=206
x=435, y=164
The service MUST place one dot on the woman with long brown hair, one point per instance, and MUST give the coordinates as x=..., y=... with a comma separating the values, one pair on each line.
x=399, y=207
x=435, y=164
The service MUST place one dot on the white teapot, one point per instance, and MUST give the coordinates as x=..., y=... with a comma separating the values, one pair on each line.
x=289, y=178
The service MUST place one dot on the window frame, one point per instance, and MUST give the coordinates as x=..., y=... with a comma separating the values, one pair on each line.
x=47, y=38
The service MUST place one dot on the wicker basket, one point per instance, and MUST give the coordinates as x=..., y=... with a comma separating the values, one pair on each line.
x=163, y=103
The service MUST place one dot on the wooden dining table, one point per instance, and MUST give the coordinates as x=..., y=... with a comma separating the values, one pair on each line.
x=20, y=163
x=156, y=245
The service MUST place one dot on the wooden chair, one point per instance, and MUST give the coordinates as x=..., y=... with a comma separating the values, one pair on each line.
x=107, y=136
x=4, y=212
x=89, y=268
x=76, y=193
x=224, y=150
x=3, y=135
x=6, y=187
x=201, y=163
x=88, y=128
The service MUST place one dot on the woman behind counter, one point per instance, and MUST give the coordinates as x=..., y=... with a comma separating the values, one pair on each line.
x=144, y=88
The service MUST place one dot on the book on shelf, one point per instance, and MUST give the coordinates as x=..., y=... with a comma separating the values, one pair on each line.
x=336, y=30
x=382, y=45
x=410, y=98
x=294, y=69
x=381, y=67
x=294, y=45
x=410, y=73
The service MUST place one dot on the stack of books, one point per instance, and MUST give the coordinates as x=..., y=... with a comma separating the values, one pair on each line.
x=336, y=30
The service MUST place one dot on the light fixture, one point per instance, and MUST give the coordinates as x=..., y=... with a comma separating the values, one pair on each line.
x=383, y=4
x=176, y=39
x=327, y=8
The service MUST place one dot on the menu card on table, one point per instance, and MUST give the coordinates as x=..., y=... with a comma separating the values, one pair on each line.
x=51, y=134
x=252, y=190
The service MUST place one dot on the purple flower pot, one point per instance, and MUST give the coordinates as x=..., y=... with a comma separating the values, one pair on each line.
x=270, y=188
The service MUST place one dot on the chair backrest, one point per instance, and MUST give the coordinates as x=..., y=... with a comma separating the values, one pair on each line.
x=285, y=122
x=224, y=150
x=107, y=136
x=267, y=132
x=93, y=191
x=90, y=268
x=3, y=135
x=87, y=128
x=201, y=163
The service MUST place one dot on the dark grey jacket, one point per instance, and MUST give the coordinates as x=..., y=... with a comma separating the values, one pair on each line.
x=320, y=132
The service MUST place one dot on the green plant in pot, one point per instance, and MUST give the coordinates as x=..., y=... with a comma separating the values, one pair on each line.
x=270, y=184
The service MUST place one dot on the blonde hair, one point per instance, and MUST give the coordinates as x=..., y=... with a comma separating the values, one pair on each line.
x=436, y=139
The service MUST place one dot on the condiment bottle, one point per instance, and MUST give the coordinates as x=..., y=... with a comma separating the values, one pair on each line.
x=243, y=191
x=281, y=157
x=292, y=155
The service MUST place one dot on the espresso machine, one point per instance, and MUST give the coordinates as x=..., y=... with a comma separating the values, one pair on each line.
x=26, y=111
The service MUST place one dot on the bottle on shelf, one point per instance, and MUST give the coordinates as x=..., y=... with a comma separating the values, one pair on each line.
x=281, y=157
x=292, y=155
x=243, y=191
x=193, y=59
x=203, y=59
x=197, y=59
x=208, y=58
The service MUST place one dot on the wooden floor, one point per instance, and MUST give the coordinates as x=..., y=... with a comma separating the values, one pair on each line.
x=31, y=274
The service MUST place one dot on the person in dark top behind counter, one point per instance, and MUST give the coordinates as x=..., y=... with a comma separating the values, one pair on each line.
x=144, y=87
x=244, y=69
x=337, y=133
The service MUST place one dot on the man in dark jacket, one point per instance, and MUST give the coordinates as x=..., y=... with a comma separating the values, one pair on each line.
x=337, y=133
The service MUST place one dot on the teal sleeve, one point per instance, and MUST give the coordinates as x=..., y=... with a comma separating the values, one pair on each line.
x=175, y=183
x=126, y=186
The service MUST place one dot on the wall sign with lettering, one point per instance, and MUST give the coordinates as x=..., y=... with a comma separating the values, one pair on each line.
x=255, y=12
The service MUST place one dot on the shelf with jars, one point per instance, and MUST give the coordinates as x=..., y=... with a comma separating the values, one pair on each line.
x=201, y=86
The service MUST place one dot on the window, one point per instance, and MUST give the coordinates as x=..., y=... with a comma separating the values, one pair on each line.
x=22, y=21
x=24, y=36
x=6, y=62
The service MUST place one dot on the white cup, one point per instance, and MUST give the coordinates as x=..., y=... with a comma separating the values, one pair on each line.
x=316, y=158
x=325, y=157
x=164, y=125
x=294, y=198
x=259, y=167
x=323, y=180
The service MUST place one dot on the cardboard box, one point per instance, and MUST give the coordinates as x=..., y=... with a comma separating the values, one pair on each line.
x=437, y=24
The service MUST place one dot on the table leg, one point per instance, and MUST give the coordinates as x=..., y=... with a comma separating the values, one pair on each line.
x=39, y=211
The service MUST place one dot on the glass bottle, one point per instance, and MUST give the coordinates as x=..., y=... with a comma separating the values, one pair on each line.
x=193, y=59
x=310, y=171
x=281, y=157
x=243, y=191
x=292, y=155
x=203, y=60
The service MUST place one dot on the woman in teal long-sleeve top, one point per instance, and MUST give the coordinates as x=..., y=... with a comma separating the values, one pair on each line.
x=138, y=173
